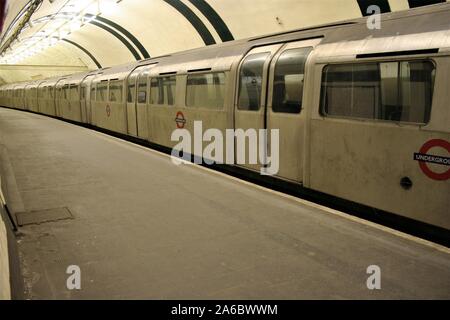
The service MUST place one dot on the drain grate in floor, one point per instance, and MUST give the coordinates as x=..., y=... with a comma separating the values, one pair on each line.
x=43, y=216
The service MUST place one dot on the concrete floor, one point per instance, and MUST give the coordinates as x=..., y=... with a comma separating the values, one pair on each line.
x=145, y=228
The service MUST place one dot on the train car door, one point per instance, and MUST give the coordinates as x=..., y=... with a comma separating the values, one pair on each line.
x=51, y=102
x=86, y=98
x=42, y=91
x=142, y=102
x=285, y=109
x=59, y=96
x=137, y=89
x=27, y=97
x=131, y=102
x=250, y=105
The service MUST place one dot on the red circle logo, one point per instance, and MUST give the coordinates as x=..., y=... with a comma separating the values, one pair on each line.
x=108, y=111
x=425, y=158
x=180, y=120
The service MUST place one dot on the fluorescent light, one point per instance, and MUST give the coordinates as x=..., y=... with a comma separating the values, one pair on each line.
x=71, y=18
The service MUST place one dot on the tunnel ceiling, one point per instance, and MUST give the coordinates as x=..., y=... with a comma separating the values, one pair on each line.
x=68, y=36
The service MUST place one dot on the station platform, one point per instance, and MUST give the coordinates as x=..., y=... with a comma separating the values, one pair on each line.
x=140, y=227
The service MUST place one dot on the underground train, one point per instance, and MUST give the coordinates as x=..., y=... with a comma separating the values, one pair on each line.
x=363, y=115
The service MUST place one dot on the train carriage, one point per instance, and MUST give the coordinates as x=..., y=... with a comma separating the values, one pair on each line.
x=377, y=104
x=362, y=114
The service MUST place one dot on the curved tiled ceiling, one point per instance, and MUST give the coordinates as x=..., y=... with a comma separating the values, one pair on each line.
x=119, y=31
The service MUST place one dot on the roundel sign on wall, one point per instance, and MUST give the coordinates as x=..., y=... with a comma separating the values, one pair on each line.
x=425, y=158
x=180, y=120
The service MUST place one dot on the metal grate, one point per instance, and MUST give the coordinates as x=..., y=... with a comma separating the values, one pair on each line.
x=43, y=216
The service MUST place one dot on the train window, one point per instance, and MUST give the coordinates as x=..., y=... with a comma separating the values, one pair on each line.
x=351, y=90
x=102, y=91
x=206, y=90
x=116, y=91
x=142, y=97
x=288, y=81
x=142, y=90
x=391, y=91
x=92, y=93
x=155, y=91
x=131, y=91
x=406, y=91
x=250, y=82
x=65, y=92
x=131, y=97
x=83, y=92
x=163, y=90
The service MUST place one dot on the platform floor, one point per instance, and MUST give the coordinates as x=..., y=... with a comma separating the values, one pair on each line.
x=145, y=228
